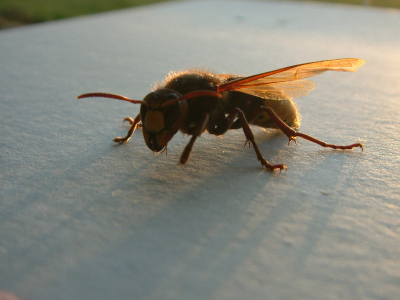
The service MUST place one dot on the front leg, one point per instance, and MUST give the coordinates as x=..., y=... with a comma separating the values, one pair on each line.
x=292, y=134
x=134, y=124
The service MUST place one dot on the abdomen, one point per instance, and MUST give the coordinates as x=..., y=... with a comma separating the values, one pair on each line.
x=286, y=111
x=249, y=104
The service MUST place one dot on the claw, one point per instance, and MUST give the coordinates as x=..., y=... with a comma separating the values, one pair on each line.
x=120, y=140
x=272, y=168
x=292, y=139
x=280, y=167
x=248, y=141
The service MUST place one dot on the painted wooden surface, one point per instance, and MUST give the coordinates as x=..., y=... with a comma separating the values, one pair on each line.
x=82, y=218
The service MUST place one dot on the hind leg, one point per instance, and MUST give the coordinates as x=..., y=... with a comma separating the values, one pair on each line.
x=292, y=134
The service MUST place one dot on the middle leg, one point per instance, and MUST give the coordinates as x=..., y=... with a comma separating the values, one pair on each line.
x=227, y=124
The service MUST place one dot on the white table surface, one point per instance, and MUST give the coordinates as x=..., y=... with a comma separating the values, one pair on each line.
x=83, y=218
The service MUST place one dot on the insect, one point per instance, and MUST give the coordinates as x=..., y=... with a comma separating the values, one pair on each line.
x=195, y=101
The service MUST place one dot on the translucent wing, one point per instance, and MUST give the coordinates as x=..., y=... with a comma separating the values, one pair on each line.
x=281, y=90
x=289, y=81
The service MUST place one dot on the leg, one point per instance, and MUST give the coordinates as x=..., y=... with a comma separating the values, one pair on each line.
x=223, y=127
x=292, y=134
x=198, y=130
x=134, y=124
x=131, y=121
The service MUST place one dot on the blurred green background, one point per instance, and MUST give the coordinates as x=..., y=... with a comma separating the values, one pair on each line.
x=19, y=12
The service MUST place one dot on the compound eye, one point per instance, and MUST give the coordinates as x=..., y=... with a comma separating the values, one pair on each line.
x=172, y=96
x=171, y=114
x=143, y=112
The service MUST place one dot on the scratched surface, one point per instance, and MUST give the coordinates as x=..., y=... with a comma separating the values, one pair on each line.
x=82, y=218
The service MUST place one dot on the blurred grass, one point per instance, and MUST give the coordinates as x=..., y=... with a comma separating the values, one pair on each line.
x=17, y=12
x=381, y=3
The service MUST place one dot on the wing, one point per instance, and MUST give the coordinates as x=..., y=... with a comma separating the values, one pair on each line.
x=281, y=90
x=289, y=81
